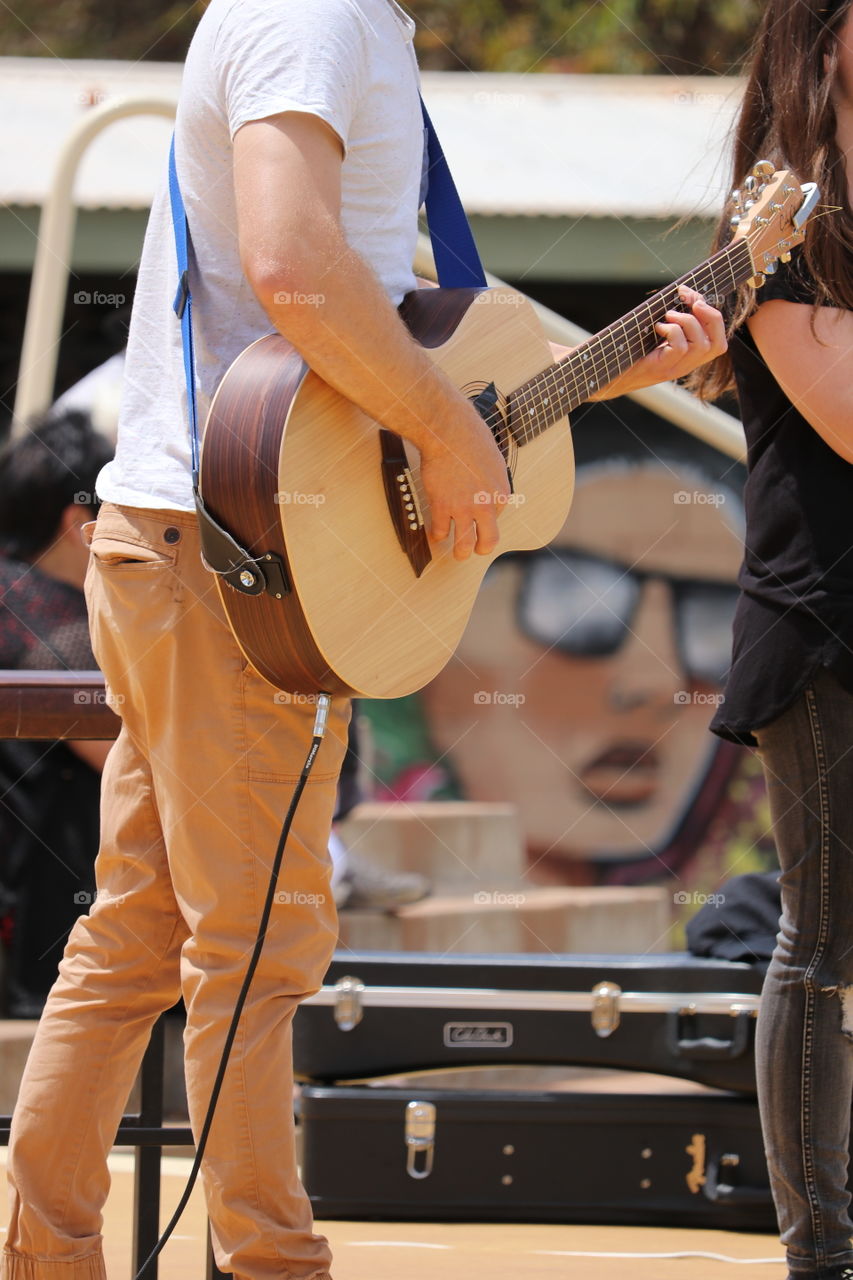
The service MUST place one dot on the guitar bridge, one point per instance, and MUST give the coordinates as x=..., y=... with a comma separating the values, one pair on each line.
x=403, y=503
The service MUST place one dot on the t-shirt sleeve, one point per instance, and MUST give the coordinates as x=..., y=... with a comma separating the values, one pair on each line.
x=292, y=55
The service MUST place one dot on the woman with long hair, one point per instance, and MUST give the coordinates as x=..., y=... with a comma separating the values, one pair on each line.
x=790, y=687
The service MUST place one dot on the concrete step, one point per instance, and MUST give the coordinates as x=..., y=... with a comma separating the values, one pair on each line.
x=528, y=919
x=458, y=844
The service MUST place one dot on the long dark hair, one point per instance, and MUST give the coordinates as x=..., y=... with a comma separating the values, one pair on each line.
x=788, y=117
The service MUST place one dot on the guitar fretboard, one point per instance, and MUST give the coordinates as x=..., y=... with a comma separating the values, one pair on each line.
x=560, y=388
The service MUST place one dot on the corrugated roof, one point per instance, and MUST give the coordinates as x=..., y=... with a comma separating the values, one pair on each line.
x=42, y=98
x=638, y=146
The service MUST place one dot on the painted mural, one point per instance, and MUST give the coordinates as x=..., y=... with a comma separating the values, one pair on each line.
x=585, y=682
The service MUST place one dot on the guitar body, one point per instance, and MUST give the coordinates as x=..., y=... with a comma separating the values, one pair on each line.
x=297, y=473
x=289, y=466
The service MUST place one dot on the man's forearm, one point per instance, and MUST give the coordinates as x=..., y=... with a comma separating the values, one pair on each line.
x=335, y=312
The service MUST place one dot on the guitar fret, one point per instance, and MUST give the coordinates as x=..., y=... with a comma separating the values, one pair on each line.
x=557, y=390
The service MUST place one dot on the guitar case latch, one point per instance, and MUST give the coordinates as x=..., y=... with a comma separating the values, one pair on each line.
x=223, y=555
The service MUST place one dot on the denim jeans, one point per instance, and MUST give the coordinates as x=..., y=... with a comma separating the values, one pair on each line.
x=804, y=1041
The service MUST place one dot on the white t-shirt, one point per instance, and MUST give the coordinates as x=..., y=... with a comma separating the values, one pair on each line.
x=352, y=63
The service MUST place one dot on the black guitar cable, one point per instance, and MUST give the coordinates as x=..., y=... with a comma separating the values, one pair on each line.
x=323, y=704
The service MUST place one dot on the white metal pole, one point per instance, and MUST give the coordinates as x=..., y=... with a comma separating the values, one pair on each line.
x=52, y=263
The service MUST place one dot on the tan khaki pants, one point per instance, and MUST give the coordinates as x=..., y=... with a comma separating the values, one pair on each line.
x=194, y=793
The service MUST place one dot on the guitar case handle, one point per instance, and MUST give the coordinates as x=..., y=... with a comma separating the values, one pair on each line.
x=223, y=555
x=719, y=1191
x=707, y=1048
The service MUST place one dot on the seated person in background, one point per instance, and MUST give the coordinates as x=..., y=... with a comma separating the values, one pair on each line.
x=357, y=884
x=49, y=791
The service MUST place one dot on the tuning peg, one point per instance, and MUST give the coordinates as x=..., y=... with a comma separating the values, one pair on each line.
x=774, y=207
x=769, y=268
x=764, y=169
x=756, y=281
x=759, y=221
x=734, y=222
x=784, y=257
x=750, y=184
x=737, y=197
x=747, y=205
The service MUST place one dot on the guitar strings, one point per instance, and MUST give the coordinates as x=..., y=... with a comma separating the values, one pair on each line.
x=552, y=394
x=557, y=390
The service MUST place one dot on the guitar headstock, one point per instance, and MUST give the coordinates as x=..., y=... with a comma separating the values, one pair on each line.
x=771, y=212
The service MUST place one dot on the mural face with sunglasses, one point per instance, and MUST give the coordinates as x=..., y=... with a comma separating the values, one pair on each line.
x=586, y=679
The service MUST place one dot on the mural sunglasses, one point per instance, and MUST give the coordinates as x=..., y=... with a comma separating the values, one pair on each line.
x=584, y=606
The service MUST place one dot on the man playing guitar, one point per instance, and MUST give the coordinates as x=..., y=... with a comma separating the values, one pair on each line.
x=299, y=145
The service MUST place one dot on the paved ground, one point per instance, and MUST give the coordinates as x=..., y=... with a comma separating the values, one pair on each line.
x=437, y=1251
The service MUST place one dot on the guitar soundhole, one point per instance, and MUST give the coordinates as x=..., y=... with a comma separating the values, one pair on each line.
x=493, y=407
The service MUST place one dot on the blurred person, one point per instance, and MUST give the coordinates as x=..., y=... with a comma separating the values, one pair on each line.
x=98, y=394
x=790, y=689
x=50, y=790
x=356, y=884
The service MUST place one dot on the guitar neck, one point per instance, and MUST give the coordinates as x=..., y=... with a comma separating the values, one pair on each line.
x=560, y=388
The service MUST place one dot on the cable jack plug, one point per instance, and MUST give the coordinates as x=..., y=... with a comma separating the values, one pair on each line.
x=324, y=702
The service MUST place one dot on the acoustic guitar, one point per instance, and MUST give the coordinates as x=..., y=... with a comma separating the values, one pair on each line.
x=354, y=599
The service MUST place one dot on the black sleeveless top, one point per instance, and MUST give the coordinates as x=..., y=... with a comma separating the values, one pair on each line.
x=795, y=613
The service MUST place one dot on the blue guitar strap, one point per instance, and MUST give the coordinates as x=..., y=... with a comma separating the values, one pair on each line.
x=183, y=304
x=457, y=266
x=457, y=262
